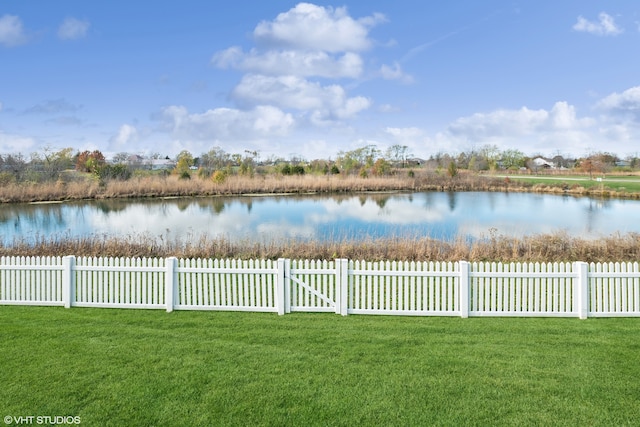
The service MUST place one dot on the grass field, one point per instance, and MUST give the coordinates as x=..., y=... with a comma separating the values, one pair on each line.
x=130, y=367
x=620, y=183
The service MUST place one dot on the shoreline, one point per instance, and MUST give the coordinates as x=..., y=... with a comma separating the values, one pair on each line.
x=265, y=186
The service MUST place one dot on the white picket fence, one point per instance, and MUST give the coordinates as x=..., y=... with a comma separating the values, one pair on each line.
x=341, y=286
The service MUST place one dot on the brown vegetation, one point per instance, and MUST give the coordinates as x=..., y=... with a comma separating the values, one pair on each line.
x=152, y=186
x=540, y=248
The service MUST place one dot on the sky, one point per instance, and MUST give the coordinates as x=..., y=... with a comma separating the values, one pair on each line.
x=294, y=79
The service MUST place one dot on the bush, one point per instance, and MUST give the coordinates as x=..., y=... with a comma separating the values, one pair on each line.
x=118, y=172
x=219, y=176
x=7, y=178
x=285, y=170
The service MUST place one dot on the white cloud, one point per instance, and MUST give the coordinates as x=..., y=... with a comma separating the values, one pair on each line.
x=627, y=101
x=311, y=27
x=226, y=124
x=520, y=122
x=291, y=62
x=605, y=26
x=11, y=31
x=529, y=130
x=72, y=29
x=291, y=92
x=15, y=143
x=404, y=134
x=395, y=73
x=127, y=134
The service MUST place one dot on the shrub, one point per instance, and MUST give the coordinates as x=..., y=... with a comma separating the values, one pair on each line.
x=119, y=172
x=7, y=178
x=285, y=170
x=219, y=176
x=297, y=170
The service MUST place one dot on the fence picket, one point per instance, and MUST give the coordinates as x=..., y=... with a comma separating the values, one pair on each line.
x=380, y=287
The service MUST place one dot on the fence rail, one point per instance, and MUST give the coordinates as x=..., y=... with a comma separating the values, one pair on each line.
x=341, y=286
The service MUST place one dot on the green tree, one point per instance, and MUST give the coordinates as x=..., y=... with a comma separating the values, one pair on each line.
x=184, y=161
x=452, y=169
x=513, y=159
x=381, y=167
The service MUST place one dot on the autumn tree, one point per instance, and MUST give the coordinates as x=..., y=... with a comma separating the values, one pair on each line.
x=184, y=161
x=90, y=161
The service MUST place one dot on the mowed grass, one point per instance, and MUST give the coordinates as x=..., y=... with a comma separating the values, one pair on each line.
x=614, y=182
x=133, y=367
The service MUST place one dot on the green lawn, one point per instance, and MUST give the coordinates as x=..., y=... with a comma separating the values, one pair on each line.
x=141, y=368
x=614, y=182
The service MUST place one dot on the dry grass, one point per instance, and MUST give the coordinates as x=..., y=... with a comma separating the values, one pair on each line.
x=172, y=186
x=539, y=248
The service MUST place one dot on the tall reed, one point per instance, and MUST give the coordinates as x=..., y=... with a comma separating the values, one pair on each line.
x=537, y=248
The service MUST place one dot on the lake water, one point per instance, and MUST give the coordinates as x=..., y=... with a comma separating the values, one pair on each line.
x=264, y=218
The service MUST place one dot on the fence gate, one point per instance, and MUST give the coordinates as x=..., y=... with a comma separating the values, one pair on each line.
x=312, y=286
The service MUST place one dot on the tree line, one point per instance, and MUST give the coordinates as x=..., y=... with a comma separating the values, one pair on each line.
x=217, y=164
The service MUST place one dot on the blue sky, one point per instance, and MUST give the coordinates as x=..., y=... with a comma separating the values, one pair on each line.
x=311, y=79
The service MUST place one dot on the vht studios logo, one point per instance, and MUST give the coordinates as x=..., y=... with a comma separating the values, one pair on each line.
x=41, y=420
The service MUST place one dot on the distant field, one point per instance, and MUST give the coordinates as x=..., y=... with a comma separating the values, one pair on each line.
x=614, y=182
x=114, y=367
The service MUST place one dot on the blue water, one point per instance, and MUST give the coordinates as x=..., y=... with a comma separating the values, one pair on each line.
x=266, y=218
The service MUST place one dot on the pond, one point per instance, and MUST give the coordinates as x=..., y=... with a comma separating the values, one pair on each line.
x=264, y=218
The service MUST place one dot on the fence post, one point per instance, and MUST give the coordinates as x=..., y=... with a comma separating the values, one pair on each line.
x=170, y=282
x=280, y=293
x=464, y=289
x=68, y=280
x=581, y=290
x=342, y=286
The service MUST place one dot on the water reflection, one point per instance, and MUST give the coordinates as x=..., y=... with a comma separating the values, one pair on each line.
x=263, y=218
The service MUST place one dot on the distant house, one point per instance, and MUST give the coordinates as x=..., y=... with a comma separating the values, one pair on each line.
x=542, y=163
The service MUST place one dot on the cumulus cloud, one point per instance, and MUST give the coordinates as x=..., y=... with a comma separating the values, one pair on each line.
x=520, y=122
x=311, y=27
x=292, y=62
x=11, y=31
x=605, y=26
x=525, y=129
x=291, y=92
x=72, y=29
x=625, y=102
x=222, y=124
x=296, y=53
